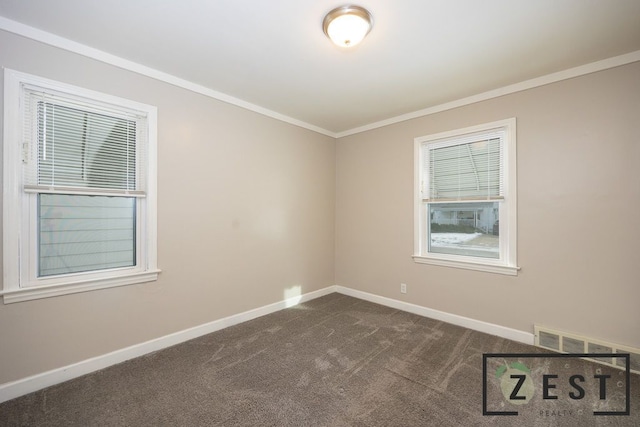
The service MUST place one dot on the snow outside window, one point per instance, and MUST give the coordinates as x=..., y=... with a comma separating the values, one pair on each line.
x=465, y=198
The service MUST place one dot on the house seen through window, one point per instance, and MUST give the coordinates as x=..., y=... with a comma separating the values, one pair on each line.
x=80, y=151
x=465, y=198
x=82, y=203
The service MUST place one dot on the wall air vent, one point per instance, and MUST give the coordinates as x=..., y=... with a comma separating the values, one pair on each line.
x=564, y=342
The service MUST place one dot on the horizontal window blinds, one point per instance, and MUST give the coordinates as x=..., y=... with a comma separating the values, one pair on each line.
x=86, y=162
x=465, y=170
x=80, y=148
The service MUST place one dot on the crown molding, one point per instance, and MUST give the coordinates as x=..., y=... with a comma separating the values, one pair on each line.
x=99, y=55
x=570, y=73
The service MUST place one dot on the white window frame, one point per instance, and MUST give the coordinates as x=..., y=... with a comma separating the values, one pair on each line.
x=20, y=281
x=507, y=261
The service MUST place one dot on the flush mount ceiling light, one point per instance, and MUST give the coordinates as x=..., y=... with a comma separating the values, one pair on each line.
x=346, y=26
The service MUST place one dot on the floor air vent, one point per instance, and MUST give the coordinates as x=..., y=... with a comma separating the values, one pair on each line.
x=564, y=342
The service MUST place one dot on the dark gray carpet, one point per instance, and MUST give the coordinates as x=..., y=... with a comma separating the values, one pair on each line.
x=334, y=361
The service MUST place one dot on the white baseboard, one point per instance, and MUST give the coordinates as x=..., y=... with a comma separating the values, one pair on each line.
x=36, y=382
x=476, y=325
x=33, y=383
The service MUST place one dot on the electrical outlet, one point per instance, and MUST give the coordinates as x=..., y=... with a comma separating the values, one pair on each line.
x=403, y=288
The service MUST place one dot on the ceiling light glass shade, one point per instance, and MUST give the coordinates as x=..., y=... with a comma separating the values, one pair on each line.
x=346, y=26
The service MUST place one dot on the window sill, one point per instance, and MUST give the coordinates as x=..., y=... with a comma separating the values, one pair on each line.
x=37, y=292
x=468, y=265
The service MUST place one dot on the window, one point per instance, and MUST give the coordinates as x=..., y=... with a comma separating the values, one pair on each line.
x=465, y=198
x=80, y=190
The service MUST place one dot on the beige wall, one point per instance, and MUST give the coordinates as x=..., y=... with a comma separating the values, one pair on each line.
x=247, y=206
x=578, y=211
x=245, y=212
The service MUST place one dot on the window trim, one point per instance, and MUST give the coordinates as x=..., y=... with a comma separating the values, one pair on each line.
x=507, y=264
x=16, y=202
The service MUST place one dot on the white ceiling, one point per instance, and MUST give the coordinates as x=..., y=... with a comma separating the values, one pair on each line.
x=274, y=55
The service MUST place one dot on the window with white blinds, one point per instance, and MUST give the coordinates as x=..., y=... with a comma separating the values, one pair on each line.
x=82, y=192
x=82, y=148
x=465, y=198
x=459, y=170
